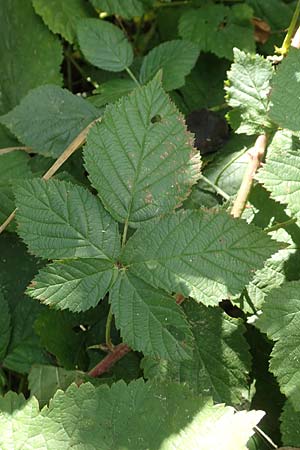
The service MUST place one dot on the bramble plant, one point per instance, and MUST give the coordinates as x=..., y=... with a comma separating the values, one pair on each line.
x=149, y=293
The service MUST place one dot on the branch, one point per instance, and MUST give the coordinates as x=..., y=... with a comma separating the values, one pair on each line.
x=110, y=360
x=256, y=155
x=75, y=144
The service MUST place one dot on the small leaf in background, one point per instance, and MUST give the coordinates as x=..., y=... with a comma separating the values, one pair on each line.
x=280, y=174
x=150, y=321
x=140, y=158
x=59, y=116
x=175, y=58
x=67, y=221
x=111, y=91
x=104, y=45
x=248, y=90
x=126, y=9
x=5, y=326
x=62, y=16
x=219, y=28
x=220, y=367
x=76, y=285
x=207, y=255
x=285, y=93
x=280, y=319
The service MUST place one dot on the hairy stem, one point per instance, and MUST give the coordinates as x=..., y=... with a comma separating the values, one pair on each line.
x=75, y=144
x=105, y=365
x=256, y=155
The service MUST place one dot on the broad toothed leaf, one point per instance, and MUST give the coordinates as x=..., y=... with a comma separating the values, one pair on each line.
x=175, y=58
x=140, y=158
x=126, y=9
x=207, y=255
x=290, y=425
x=67, y=221
x=280, y=319
x=59, y=116
x=220, y=367
x=104, y=45
x=150, y=321
x=76, y=285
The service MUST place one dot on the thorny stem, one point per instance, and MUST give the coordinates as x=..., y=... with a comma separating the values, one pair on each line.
x=110, y=360
x=256, y=155
x=75, y=144
x=132, y=76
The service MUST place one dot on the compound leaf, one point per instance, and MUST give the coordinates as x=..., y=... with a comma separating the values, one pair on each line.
x=285, y=93
x=127, y=9
x=62, y=17
x=175, y=58
x=67, y=221
x=104, y=45
x=150, y=320
x=58, y=115
x=219, y=28
x=280, y=175
x=281, y=321
x=140, y=158
x=248, y=92
x=220, y=367
x=207, y=255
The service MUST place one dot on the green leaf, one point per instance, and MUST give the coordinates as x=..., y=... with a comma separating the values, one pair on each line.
x=207, y=255
x=116, y=52
x=175, y=58
x=285, y=93
x=290, y=425
x=116, y=418
x=140, y=158
x=280, y=173
x=59, y=116
x=127, y=9
x=76, y=285
x=5, y=326
x=62, y=17
x=219, y=28
x=220, y=367
x=150, y=321
x=248, y=92
x=280, y=320
x=111, y=91
x=29, y=53
x=66, y=221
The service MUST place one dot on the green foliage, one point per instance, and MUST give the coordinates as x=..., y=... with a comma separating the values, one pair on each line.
x=135, y=311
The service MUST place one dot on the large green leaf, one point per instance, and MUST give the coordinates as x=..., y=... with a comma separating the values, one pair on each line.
x=285, y=93
x=175, y=58
x=137, y=416
x=62, y=16
x=126, y=9
x=49, y=118
x=248, y=90
x=104, y=45
x=218, y=28
x=218, y=368
x=140, y=158
x=66, y=221
x=290, y=426
x=29, y=54
x=76, y=285
x=281, y=172
x=5, y=326
x=281, y=321
x=207, y=255
x=150, y=321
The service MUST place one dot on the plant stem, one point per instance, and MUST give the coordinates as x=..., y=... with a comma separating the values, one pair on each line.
x=280, y=225
x=287, y=40
x=176, y=3
x=132, y=76
x=5, y=150
x=256, y=155
x=75, y=144
x=108, y=341
x=103, y=366
x=216, y=188
x=125, y=231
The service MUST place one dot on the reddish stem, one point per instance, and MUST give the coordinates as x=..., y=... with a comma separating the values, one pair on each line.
x=106, y=363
